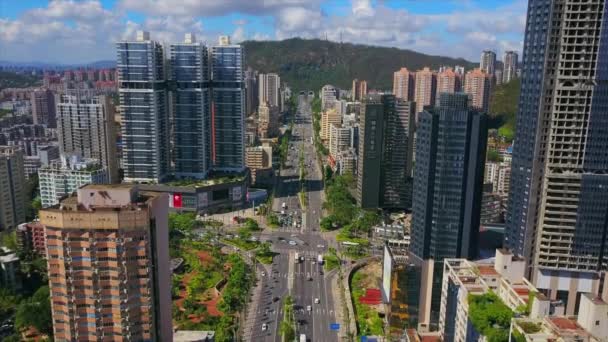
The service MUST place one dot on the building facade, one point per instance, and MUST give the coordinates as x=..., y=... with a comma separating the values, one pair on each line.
x=270, y=89
x=448, y=82
x=61, y=178
x=447, y=190
x=425, y=89
x=359, y=90
x=385, y=153
x=487, y=62
x=403, y=84
x=143, y=96
x=558, y=200
x=12, y=187
x=510, y=63
x=227, y=107
x=43, y=107
x=329, y=94
x=478, y=85
x=85, y=125
x=108, y=265
x=190, y=105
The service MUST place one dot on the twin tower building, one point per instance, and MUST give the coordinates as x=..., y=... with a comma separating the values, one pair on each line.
x=182, y=108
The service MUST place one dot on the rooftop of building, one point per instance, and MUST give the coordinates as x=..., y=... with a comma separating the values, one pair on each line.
x=192, y=335
x=104, y=197
x=214, y=179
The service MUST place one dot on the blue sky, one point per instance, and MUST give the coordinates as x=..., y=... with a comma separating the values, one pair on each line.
x=70, y=31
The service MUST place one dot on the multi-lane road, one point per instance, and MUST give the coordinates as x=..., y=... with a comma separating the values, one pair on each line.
x=305, y=281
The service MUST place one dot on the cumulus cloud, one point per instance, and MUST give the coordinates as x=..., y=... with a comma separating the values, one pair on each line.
x=84, y=30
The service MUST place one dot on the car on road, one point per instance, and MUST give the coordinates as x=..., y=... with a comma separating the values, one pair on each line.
x=264, y=327
x=308, y=308
x=317, y=301
x=263, y=274
x=292, y=243
x=275, y=299
x=320, y=246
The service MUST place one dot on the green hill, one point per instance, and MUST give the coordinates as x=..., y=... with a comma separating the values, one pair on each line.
x=312, y=63
x=14, y=80
x=503, y=108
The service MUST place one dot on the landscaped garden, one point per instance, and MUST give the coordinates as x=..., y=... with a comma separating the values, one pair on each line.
x=369, y=320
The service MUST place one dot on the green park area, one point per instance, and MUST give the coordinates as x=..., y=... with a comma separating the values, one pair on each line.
x=369, y=321
x=214, y=284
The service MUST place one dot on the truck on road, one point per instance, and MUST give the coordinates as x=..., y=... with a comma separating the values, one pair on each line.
x=302, y=337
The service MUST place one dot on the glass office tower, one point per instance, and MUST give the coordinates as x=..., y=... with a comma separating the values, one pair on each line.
x=143, y=99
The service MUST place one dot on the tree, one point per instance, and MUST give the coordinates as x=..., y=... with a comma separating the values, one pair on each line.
x=286, y=330
x=244, y=233
x=251, y=224
x=328, y=174
x=493, y=156
x=184, y=222
x=9, y=240
x=36, y=312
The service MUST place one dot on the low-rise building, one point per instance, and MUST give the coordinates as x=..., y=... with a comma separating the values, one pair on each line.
x=469, y=287
x=31, y=237
x=63, y=177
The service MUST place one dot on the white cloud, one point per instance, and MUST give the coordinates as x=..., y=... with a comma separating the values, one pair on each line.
x=83, y=30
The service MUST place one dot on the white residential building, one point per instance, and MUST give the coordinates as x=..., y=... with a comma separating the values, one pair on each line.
x=61, y=178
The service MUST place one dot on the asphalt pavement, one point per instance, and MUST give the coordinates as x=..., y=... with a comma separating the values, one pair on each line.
x=306, y=280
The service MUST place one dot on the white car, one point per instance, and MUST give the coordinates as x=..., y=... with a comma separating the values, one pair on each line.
x=293, y=243
x=317, y=301
x=263, y=274
x=309, y=308
x=264, y=327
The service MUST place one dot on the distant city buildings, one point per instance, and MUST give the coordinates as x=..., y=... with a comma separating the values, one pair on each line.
x=85, y=125
x=359, y=90
x=487, y=62
x=329, y=94
x=510, y=64
x=61, y=178
x=478, y=85
x=251, y=91
x=448, y=81
x=12, y=188
x=268, y=121
x=108, y=265
x=328, y=118
x=425, y=88
x=403, y=84
x=259, y=161
x=270, y=89
x=43, y=107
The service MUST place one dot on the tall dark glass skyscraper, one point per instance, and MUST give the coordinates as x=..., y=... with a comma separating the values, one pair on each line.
x=227, y=107
x=143, y=100
x=385, y=153
x=448, y=178
x=558, y=204
x=191, y=112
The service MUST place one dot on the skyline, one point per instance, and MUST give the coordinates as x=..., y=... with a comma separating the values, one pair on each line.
x=41, y=31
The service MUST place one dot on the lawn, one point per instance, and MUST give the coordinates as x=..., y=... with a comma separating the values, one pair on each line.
x=331, y=261
x=242, y=244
